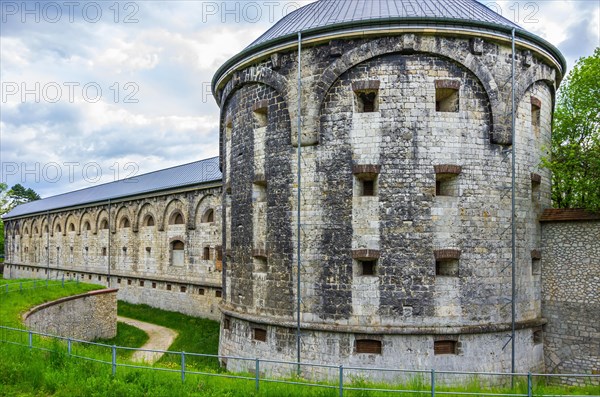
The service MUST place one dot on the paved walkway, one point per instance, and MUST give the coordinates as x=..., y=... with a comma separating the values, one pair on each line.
x=159, y=338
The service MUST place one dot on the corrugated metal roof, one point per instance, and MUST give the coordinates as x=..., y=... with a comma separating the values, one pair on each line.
x=568, y=214
x=331, y=12
x=195, y=173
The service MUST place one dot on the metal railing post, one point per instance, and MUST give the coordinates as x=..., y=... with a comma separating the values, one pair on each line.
x=432, y=382
x=69, y=346
x=182, y=367
x=63, y=281
x=257, y=374
x=341, y=381
x=20, y=286
x=529, y=385
x=30, y=340
x=114, y=360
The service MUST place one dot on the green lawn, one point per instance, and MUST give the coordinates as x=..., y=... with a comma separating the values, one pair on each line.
x=52, y=372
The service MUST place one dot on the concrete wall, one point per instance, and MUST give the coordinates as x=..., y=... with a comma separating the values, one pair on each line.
x=88, y=316
x=571, y=296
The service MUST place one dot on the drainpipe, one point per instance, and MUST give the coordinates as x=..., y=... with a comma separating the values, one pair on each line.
x=299, y=143
x=108, y=245
x=513, y=215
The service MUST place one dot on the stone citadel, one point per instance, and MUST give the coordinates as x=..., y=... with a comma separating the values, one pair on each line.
x=400, y=201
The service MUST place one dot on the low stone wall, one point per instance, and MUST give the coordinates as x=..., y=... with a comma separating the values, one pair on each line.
x=571, y=294
x=86, y=316
x=188, y=297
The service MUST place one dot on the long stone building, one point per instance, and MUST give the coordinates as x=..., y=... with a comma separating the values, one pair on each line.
x=367, y=144
x=156, y=237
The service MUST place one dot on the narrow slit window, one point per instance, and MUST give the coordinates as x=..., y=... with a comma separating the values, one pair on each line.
x=206, y=253
x=368, y=346
x=226, y=324
x=538, y=337
x=536, y=266
x=536, y=106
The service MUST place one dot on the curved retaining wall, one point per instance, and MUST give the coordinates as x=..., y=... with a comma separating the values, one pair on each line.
x=86, y=316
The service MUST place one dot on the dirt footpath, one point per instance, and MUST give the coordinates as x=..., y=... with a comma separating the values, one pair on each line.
x=159, y=338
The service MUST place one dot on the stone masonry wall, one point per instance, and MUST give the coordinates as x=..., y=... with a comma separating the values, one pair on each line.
x=88, y=316
x=571, y=296
x=133, y=244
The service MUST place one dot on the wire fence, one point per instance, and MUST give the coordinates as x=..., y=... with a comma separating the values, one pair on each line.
x=339, y=379
x=21, y=286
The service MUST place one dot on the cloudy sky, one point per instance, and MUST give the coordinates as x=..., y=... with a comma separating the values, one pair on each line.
x=94, y=91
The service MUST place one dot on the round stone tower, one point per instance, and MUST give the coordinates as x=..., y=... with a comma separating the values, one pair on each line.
x=403, y=117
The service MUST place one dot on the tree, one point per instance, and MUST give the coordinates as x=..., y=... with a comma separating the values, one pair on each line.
x=19, y=195
x=575, y=154
x=9, y=199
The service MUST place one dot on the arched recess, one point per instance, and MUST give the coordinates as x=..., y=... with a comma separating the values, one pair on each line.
x=86, y=220
x=144, y=214
x=71, y=224
x=254, y=75
x=173, y=205
x=101, y=217
x=35, y=228
x=207, y=202
x=388, y=46
x=53, y=225
x=176, y=251
x=534, y=75
x=121, y=219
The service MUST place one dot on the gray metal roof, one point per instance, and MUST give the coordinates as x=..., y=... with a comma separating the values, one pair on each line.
x=332, y=12
x=195, y=173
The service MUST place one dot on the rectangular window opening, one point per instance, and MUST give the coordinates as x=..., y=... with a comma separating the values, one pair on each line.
x=226, y=324
x=260, y=334
x=367, y=101
x=128, y=282
x=446, y=267
x=538, y=337
x=535, y=119
x=183, y=288
x=153, y=285
x=368, y=346
x=260, y=264
x=367, y=267
x=218, y=293
x=446, y=99
x=141, y=283
x=200, y=291
x=445, y=347
x=536, y=267
x=261, y=117
x=168, y=287
x=446, y=185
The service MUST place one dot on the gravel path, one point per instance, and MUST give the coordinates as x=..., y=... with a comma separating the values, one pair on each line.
x=159, y=338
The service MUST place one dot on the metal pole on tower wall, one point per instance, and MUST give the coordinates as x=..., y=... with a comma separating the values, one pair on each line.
x=513, y=216
x=298, y=142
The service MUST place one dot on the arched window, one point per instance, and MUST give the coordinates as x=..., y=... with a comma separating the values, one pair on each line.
x=104, y=224
x=26, y=230
x=177, y=219
x=71, y=227
x=58, y=228
x=124, y=223
x=209, y=216
x=87, y=226
x=36, y=230
x=149, y=220
x=177, y=248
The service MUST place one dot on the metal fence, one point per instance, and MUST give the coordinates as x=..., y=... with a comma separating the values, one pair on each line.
x=341, y=378
x=22, y=286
